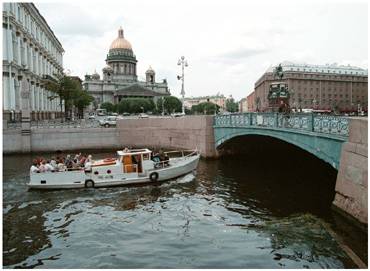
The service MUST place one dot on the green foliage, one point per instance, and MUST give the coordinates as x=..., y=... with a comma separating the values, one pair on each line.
x=70, y=91
x=108, y=106
x=171, y=104
x=82, y=99
x=231, y=106
x=206, y=108
x=135, y=105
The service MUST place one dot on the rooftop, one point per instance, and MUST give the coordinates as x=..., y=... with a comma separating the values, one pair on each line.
x=327, y=68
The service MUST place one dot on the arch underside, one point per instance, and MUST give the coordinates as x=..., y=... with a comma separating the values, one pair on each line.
x=326, y=149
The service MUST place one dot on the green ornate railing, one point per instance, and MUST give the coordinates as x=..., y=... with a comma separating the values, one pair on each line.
x=324, y=124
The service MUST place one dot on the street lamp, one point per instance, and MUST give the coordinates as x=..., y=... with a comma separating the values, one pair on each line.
x=183, y=64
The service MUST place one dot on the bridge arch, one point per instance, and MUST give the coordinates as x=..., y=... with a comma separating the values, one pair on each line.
x=326, y=148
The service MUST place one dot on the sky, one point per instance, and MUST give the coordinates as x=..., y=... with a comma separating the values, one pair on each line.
x=227, y=44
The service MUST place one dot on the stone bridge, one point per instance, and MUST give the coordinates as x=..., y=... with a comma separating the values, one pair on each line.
x=339, y=141
x=322, y=135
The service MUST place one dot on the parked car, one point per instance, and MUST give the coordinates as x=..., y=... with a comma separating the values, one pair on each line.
x=143, y=115
x=108, y=121
x=91, y=117
x=178, y=115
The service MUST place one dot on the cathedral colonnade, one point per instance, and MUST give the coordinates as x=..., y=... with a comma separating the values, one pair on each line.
x=32, y=55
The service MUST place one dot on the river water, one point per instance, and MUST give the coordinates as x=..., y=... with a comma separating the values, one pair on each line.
x=234, y=213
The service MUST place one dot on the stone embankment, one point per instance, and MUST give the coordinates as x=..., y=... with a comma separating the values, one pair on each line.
x=351, y=186
x=184, y=133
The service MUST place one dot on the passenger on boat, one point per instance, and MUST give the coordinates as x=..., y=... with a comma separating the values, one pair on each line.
x=61, y=167
x=42, y=166
x=82, y=161
x=53, y=163
x=34, y=168
x=88, y=163
x=49, y=167
x=68, y=162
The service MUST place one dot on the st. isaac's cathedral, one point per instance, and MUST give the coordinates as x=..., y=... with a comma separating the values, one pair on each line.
x=120, y=79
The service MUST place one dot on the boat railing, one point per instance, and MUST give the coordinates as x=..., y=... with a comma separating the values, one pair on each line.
x=182, y=152
x=61, y=170
x=161, y=164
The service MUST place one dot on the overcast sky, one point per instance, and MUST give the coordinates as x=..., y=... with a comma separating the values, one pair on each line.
x=228, y=44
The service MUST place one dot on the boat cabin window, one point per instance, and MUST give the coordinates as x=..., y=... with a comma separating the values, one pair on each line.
x=146, y=156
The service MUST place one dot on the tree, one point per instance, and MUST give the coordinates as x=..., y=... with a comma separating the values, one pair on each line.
x=135, y=105
x=231, y=105
x=206, y=108
x=108, y=106
x=66, y=88
x=171, y=104
x=82, y=100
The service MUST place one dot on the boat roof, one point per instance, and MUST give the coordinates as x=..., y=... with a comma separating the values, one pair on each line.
x=134, y=151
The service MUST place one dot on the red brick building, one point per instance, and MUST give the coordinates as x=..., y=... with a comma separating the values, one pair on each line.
x=251, y=102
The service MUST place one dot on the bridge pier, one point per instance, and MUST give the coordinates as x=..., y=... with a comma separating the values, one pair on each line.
x=351, y=186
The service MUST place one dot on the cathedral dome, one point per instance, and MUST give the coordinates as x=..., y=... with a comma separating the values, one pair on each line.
x=120, y=42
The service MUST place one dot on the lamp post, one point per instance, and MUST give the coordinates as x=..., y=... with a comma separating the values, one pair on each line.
x=183, y=64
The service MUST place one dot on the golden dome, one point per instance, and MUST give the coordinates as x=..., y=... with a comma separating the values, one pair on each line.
x=120, y=42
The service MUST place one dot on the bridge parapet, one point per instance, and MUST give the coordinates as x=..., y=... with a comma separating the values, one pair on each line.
x=322, y=124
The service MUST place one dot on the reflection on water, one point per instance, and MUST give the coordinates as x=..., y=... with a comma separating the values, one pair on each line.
x=233, y=214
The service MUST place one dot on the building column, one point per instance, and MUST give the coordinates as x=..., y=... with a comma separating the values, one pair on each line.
x=31, y=58
x=17, y=95
x=26, y=120
x=37, y=98
x=19, y=50
x=12, y=93
x=32, y=98
x=9, y=43
x=6, y=92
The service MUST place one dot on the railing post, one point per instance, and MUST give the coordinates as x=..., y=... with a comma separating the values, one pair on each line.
x=276, y=116
x=311, y=123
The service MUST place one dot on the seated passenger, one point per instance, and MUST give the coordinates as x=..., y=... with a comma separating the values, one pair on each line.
x=42, y=166
x=48, y=166
x=53, y=163
x=34, y=168
x=61, y=167
x=166, y=160
x=82, y=161
x=88, y=165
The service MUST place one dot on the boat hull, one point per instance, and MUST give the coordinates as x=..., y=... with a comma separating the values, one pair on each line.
x=78, y=179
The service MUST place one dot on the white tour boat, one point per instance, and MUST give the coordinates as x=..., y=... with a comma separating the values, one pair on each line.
x=130, y=167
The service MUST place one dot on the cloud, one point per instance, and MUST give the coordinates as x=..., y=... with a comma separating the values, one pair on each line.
x=237, y=56
x=243, y=53
x=86, y=23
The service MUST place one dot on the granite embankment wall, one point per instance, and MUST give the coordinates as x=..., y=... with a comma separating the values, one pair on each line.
x=52, y=139
x=351, y=186
x=185, y=133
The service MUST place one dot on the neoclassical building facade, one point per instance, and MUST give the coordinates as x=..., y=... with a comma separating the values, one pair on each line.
x=120, y=78
x=327, y=87
x=32, y=54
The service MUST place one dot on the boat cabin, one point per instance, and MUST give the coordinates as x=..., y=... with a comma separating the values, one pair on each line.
x=135, y=160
